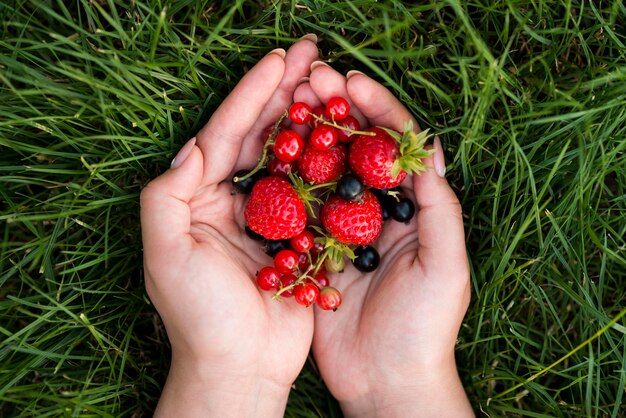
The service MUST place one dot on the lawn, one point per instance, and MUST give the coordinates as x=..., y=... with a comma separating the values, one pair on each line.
x=97, y=96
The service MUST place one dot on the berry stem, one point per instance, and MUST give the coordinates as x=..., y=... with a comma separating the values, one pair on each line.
x=343, y=128
x=264, y=156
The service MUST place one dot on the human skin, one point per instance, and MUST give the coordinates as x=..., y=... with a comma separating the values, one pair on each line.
x=389, y=350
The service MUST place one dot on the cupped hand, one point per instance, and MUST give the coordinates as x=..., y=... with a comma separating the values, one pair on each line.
x=233, y=348
x=389, y=349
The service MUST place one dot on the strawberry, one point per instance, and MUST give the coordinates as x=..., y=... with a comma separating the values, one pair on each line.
x=275, y=210
x=319, y=167
x=383, y=159
x=358, y=222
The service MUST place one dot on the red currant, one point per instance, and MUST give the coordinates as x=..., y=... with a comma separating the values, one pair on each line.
x=322, y=279
x=337, y=108
x=289, y=145
x=268, y=278
x=306, y=293
x=303, y=261
x=303, y=242
x=279, y=168
x=300, y=113
x=287, y=280
x=349, y=122
x=286, y=261
x=323, y=137
x=329, y=298
x=319, y=112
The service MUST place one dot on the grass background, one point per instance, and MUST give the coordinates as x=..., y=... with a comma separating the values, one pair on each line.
x=97, y=96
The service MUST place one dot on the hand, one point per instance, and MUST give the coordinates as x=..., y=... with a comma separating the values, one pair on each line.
x=389, y=349
x=234, y=350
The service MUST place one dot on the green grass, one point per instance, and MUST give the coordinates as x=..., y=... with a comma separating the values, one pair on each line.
x=530, y=98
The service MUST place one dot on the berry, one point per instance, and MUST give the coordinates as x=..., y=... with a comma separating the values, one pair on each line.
x=337, y=108
x=279, y=168
x=287, y=280
x=357, y=223
x=253, y=235
x=403, y=210
x=245, y=186
x=322, y=279
x=329, y=298
x=323, y=137
x=272, y=247
x=300, y=113
x=288, y=146
x=302, y=242
x=286, y=261
x=350, y=187
x=304, y=261
x=306, y=293
x=335, y=266
x=268, y=278
x=384, y=159
x=275, y=210
x=351, y=123
x=319, y=167
x=318, y=112
x=367, y=258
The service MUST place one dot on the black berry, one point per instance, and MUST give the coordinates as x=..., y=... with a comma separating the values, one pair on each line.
x=272, y=247
x=367, y=258
x=403, y=210
x=245, y=186
x=350, y=187
x=250, y=233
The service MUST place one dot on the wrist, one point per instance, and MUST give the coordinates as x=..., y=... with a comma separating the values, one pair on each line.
x=435, y=392
x=200, y=389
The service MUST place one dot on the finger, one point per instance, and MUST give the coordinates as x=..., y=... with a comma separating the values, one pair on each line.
x=165, y=215
x=304, y=93
x=297, y=65
x=439, y=222
x=328, y=83
x=377, y=103
x=221, y=138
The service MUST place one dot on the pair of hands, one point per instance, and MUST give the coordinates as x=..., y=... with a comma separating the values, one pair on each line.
x=389, y=349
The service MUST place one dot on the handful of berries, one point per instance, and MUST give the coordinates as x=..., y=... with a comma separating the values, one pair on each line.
x=316, y=201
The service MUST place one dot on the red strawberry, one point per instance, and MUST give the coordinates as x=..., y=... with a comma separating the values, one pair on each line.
x=358, y=222
x=384, y=159
x=322, y=166
x=275, y=210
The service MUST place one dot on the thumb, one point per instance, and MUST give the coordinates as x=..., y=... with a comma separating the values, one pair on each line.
x=439, y=221
x=165, y=214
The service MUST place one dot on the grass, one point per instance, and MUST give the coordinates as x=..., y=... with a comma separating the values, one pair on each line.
x=530, y=98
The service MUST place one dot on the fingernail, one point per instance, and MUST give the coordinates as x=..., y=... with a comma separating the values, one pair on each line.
x=183, y=153
x=302, y=80
x=317, y=64
x=438, y=159
x=310, y=37
x=278, y=51
x=352, y=73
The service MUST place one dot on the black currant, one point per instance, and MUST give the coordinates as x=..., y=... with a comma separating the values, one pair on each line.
x=245, y=186
x=272, y=247
x=350, y=187
x=250, y=233
x=367, y=258
x=403, y=210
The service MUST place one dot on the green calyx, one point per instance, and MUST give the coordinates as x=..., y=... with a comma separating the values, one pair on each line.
x=307, y=194
x=412, y=152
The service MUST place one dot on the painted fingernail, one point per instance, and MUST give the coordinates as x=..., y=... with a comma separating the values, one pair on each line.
x=310, y=37
x=183, y=153
x=317, y=64
x=438, y=159
x=302, y=80
x=352, y=73
x=278, y=51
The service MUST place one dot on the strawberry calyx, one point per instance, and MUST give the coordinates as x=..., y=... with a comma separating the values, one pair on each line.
x=412, y=152
x=307, y=192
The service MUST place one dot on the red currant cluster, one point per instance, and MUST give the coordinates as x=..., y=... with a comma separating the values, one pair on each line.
x=319, y=199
